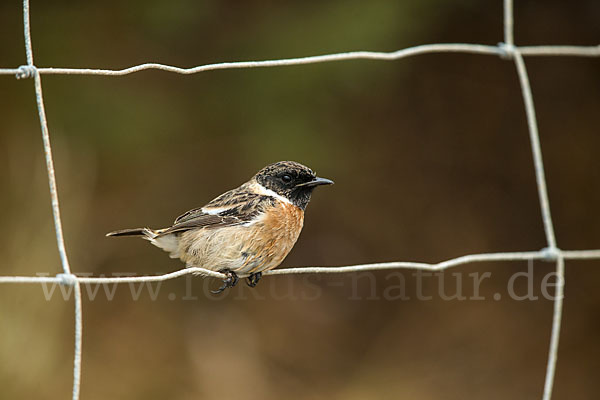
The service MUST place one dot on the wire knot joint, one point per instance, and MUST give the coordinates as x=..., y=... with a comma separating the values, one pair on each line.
x=507, y=51
x=26, y=71
x=67, y=279
x=550, y=254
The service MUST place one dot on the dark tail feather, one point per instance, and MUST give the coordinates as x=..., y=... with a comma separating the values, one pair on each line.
x=131, y=232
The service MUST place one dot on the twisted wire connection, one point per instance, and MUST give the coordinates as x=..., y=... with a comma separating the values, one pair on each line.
x=506, y=50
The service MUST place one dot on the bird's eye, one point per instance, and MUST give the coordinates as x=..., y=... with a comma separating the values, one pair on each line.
x=286, y=178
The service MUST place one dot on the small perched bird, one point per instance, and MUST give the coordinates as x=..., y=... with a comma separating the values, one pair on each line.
x=247, y=230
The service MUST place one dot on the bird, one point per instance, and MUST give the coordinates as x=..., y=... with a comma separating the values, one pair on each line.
x=246, y=230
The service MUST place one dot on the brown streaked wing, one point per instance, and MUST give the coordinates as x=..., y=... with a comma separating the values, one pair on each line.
x=191, y=214
x=226, y=200
x=238, y=208
x=202, y=221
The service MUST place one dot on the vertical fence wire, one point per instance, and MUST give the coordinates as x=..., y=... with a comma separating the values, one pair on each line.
x=546, y=218
x=536, y=149
x=556, y=322
x=540, y=176
x=508, y=23
x=54, y=199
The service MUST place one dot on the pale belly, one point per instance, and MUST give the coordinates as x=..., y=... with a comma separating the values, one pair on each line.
x=244, y=249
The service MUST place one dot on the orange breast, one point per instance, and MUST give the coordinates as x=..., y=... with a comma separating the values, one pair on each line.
x=276, y=234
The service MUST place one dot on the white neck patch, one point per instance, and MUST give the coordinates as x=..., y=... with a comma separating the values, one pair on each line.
x=268, y=192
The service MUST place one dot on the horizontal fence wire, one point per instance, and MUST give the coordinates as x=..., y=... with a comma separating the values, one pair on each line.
x=499, y=50
x=542, y=255
x=506, y=50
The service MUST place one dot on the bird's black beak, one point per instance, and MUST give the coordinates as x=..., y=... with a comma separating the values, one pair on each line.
x=316, y=182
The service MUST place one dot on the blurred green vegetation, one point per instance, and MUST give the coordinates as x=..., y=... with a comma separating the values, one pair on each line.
x=431, y=160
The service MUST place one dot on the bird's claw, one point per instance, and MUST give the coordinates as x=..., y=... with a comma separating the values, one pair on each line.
x=230, y=281
x=253, y=279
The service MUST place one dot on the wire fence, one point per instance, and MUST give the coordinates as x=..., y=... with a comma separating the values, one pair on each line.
x=506, y=50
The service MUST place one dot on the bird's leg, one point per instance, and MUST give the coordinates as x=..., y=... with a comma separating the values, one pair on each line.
x=253, y=279
x=230, y=281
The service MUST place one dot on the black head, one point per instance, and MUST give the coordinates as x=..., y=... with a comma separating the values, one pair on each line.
x=291, y=180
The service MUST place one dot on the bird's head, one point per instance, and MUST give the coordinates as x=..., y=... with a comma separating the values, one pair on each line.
x=291, y=180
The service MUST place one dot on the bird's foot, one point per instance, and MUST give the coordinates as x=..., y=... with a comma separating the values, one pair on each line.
x=253, y=279
x=230, y=281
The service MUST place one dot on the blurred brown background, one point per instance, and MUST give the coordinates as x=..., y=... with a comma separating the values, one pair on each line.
x=431, y=160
